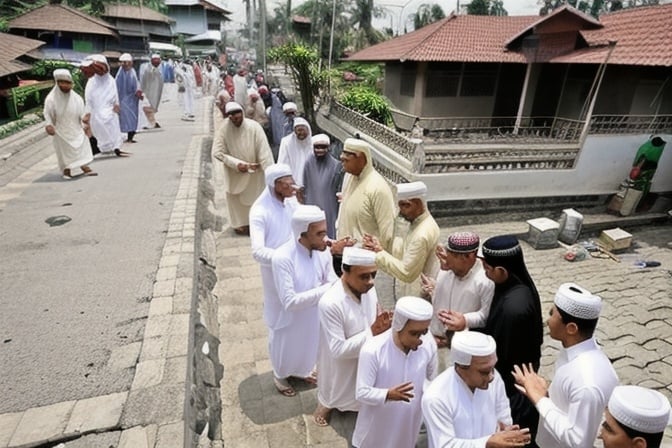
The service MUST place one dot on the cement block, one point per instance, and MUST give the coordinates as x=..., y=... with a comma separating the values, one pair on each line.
x=42, y=424
x=160, y=305
x=8, y=424
x=154, y=405
x=154, y=348
x=97, y=413
x=170, y=435
x=164, y=288
x=148, y=373
x=135, y=437
x=125, y=356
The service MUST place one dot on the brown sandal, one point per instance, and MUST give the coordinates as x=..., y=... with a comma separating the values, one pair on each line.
x=321, y=416
x=284, y=387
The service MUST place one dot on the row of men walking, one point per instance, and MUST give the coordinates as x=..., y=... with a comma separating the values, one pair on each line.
x=480, y=317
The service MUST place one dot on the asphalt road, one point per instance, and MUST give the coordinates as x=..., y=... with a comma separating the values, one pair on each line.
x=70, y=294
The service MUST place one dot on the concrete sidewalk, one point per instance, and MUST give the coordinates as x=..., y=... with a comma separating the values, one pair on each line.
x=635, y=330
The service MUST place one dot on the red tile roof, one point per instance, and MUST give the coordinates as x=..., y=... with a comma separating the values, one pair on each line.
x=135, y=12
x=644, y=37
x=61, y=18
x=11, y=47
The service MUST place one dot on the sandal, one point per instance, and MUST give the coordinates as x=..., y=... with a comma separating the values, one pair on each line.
x=120, y=153
x=311, y=378
x=88, y=171
x=244, y=230
x=284, y=387
x=321, y=415
x=67, y=175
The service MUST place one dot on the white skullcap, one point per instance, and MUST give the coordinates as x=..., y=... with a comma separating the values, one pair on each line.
x=410, y=308
x=86, y=62
x=466, y=344
x=289, y=106
x=304, y=216
x=125, y=57
x=356, y=145
x=639, y=408
x=356, y=256
x=298, y=121
x=156, y=56
x=275, y=172
x=62, y=74
x=412, y=190
x=578, y=302
x=232, y=106
x=321, y=139
x=98, y=58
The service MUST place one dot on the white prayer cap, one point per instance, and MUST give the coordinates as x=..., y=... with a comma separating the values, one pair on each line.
x=289, y=106
x=62, y=74
x=86, y=62
x=98, y=58
x=411, y=190
x=356, y=145
x=126, y=57
x=321, y=139
x=275, y=172
x=156, y=56
x=578, y=302
x=356, y=256
x=466, y=344
x=232, y=106
x=639, y=408
x=304, y=216
x=410, y=308
x=298, y=121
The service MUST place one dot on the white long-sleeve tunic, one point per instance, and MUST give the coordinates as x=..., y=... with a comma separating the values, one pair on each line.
x=470, y=295
x=383, y=365
x=583, y=382
x=345, y=325
x=101, y=97
x=301, y=277
x=270, y=227
x=295, y=153
x=456, y=417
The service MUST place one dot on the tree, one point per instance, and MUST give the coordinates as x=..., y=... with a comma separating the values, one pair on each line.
x=427, y=14
x=487, y=8
x=593, y=7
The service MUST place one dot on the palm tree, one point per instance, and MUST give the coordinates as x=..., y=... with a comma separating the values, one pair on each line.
x=427, y=14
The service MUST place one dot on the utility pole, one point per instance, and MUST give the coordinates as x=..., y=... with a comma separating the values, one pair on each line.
x=262, y=33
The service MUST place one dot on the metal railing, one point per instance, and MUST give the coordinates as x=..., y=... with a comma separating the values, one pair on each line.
x=630, y=124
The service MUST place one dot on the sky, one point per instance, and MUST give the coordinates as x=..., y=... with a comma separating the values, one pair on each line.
x=394, y=7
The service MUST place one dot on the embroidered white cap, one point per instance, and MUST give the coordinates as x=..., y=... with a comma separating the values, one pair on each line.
x=356, y=145
x=577, y=301
x=62, y=74
x=356, y=256
x=289, y=106
x=466, y=344
x=321, y=139
x=639, y=408
x=410, y=308
x=126, y=57
x=232, y=106
x=411, y=190
x=304, y=216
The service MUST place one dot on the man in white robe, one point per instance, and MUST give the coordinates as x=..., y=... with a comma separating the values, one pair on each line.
x=414, y=256
x=462, y=293
x=466, y=405
x=296, y=147
x=570, y=411
x=240, y=86
x=636, y=417
x=241, y=145
x=349, y=316
x=367, y=204
x=102, y=101
x=302, y=272
x=151, y=83
x=186, y=83
x=65, y=118
x=392, y=370
x=270, y=228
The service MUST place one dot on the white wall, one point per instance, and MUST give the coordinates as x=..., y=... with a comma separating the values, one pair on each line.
x=603, y=163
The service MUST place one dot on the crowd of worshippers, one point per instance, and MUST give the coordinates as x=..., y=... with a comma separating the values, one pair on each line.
x=460, y=351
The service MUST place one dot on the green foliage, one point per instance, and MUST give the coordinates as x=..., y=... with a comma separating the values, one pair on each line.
x=43, y=70
x=368, y=75
x=487, y=8
x=427, y=14
x=594, y=7
x=304, y=63
x=15, y=126
x=368, y=102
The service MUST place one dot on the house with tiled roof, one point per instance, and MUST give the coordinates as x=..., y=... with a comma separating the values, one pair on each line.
x=16, y=57
x=138, y=26
x=69, y=33
x=560, y=103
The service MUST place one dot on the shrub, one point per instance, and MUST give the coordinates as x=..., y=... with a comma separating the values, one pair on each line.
x=368, y=102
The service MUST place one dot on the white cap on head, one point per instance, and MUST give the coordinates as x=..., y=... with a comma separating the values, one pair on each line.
x=156, y=56
x=466, y=344
x=62, y=74
x=321, y=139
x=356, y=145
x=232, y=106
x=639, y=408
x=298, y=121
x=98, y=58
x=577, y=301
x=356, y=256
x=275, y=172
x=86, y=62
x=126, y=57
x=289, y=106
x=410, y=308
x=412, y=190
x=304, y=216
